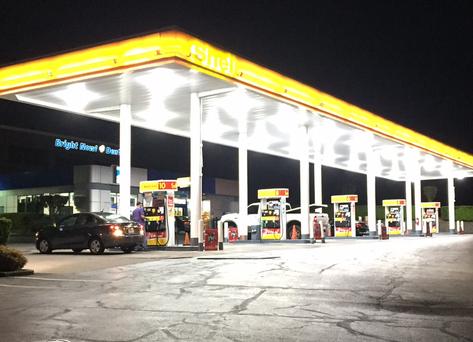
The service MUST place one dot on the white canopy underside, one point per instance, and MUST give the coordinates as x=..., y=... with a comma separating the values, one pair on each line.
x=160, y=100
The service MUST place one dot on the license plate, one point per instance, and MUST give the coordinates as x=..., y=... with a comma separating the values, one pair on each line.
x=131, y=231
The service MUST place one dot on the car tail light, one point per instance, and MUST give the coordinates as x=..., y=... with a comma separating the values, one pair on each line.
x=116, y=230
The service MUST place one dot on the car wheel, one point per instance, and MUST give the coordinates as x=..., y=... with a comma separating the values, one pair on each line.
x=44, y=246
x=96, y=246
x=77, y=250
x=128, y=250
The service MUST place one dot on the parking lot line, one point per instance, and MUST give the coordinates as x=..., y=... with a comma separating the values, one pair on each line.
x=64, y=279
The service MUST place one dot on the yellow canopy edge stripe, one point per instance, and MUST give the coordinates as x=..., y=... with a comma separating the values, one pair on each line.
x=141, y=52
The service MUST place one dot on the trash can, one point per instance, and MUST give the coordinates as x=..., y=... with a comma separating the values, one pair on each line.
x=211, y=239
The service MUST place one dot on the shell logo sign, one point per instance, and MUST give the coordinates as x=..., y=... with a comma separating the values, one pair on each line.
x=159, y=185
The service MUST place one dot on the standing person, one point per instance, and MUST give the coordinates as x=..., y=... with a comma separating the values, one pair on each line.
x=139, y=217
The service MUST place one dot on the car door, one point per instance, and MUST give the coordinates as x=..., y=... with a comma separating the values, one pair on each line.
x=79, y=233
x=65, y=232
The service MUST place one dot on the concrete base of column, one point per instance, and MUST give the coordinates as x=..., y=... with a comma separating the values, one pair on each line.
x=305, y=236
x=243, y=237
x=452, y=231
x=373, y=233
x=417, y=233
x=220, y=246
x=201, y=246
x=194, y=241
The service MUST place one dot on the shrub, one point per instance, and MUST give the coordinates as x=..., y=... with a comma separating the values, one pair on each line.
x=462, y=213
x=5, y=228
x=11, y=259
x=27, y=224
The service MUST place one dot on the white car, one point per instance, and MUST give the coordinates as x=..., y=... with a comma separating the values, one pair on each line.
x=293, y=217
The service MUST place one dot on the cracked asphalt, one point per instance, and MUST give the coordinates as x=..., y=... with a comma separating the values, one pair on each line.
x=404, y=289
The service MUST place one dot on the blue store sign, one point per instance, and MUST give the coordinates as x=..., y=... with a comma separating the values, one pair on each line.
x=71, y=145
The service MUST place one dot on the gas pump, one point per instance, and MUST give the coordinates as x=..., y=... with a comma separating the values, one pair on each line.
x=344, y=215
x=158, y=205
x=394, y=216
x=273, y=213
x=430, y=217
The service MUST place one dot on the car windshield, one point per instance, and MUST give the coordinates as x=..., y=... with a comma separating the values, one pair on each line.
x=113, y=218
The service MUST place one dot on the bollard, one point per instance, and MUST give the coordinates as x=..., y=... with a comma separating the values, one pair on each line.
x=457, y=225
x=428, y=229
x=462, y=228
x=384, y=232
x=220, y=235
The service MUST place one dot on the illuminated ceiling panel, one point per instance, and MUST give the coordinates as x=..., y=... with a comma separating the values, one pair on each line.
x=160, y=100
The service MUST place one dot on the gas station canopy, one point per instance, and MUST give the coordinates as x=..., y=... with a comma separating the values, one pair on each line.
x=155, y=74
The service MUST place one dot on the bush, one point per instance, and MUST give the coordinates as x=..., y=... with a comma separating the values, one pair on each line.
x=462, y=213
x=27, y=224
x=11, y=259
x=5, y=228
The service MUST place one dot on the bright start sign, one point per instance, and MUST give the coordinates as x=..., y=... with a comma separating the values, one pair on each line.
x=71, y=145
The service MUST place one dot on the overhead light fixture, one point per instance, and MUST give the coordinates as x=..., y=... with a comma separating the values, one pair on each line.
x=160, y=82
x=76, y=96
x=429, y=163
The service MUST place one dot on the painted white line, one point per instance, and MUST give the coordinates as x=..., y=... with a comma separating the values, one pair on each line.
x=61, y=279
x=29, y=287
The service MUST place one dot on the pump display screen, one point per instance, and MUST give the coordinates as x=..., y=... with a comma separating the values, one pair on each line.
x=393, y=220
x=343, y=220
x=429, y=217
x=271, y=220
x=155, y=219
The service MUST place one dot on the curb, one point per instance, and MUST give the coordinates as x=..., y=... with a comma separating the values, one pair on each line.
x=18, y=273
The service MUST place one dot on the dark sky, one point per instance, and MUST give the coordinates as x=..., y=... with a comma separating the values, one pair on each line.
x=409, y=61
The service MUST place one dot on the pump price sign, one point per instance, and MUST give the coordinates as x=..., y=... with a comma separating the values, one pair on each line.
x=273, y=193
x=159, y=185
x=344, y=198
x=430, y=205
x=394, y=202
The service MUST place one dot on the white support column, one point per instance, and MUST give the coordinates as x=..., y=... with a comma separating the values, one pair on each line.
x=317, y=134
x=243, y=187
x=409, y=206
x=371, y=199
x=417, y=208
x=196, y=170
x=317, y=170
x=371, y=164
x=304, y=182
x=125, y=159
x=371, y=190
x=451, y=204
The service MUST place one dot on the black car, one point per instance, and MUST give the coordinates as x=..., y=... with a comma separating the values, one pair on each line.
x=95, y=231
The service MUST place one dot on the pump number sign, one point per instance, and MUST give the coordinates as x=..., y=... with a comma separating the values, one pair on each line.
x=273, y=193
x=394, y=202
x=159, y=185
x=344, y=198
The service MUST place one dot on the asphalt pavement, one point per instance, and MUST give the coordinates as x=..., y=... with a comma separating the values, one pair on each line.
x=403, y=289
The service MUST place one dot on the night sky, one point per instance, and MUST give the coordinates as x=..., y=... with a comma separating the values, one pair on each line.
x=408, y=61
